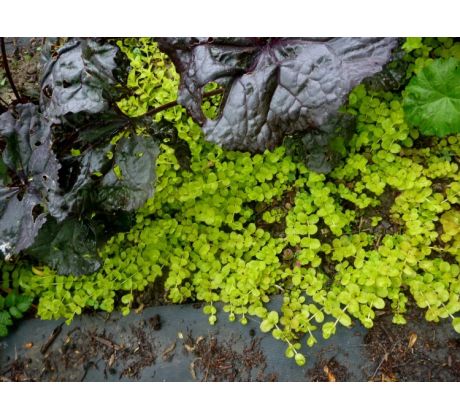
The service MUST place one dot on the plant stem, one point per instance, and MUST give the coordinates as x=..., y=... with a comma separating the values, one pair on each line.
x=3, y=108
x=175, y=103
x=7, y=69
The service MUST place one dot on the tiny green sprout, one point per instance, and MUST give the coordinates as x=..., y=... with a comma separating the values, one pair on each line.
x=399, y=319
x=117, y=172
x=75, y=152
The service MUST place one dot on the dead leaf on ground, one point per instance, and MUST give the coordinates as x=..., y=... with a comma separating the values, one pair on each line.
x=412, y=340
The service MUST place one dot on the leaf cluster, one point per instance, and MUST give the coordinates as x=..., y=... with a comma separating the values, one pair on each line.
x=12, y=306
x=75, y=163
x=377, y=233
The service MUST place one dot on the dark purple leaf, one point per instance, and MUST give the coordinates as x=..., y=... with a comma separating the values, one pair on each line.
x=79, y=78
x=29, y=156
x=274, y=87
x=69, y=247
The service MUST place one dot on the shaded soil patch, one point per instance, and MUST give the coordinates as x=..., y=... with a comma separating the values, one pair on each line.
x=328, y=371
x=82, y=349
x=24, y=62
x=403, y=353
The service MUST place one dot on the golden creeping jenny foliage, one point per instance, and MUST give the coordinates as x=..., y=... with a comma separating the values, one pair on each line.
x=382, y=227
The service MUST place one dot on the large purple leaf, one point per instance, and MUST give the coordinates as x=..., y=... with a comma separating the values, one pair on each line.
x=28, y=154
x=78, y=78
x=273, y=87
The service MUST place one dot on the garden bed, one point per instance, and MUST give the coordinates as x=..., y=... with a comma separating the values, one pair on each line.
x=371, y=242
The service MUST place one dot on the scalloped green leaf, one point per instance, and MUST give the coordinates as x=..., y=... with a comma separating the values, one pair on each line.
x=5, y=318
x=432, y=98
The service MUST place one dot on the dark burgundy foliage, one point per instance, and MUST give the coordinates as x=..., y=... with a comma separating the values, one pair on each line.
x=273, y=87
x=65, y=185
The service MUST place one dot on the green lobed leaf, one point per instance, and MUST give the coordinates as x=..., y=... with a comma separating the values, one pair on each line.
x=15, y=312
x=432, y=98
x=5, y=318
x=23, y=302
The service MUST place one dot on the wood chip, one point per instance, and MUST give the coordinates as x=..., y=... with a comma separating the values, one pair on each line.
x=51, y=339
x=106, y=342
x=111, y=360
x=330, y=375
x=189, y=348
x=167, y=356
x=192, y=368
x=412, y=340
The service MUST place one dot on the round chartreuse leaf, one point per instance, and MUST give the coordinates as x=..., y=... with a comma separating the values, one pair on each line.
x=300, y=359
x=456, y=324
x=432, y=98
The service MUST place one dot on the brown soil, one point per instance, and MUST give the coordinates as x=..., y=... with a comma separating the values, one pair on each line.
x=72, y=356
x=327, y=371
x=403, y=353
x=220, y=362
x=24, y=63
x=84, y=349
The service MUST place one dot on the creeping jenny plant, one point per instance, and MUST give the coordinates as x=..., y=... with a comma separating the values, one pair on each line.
x=234, y=229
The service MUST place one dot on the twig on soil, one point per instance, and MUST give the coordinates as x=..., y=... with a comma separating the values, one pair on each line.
x=87, y=367
x=192, y=368
x=167, y=356
x=384, y=358
x=7, y=69
x=51, y=338
x=106, y=342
